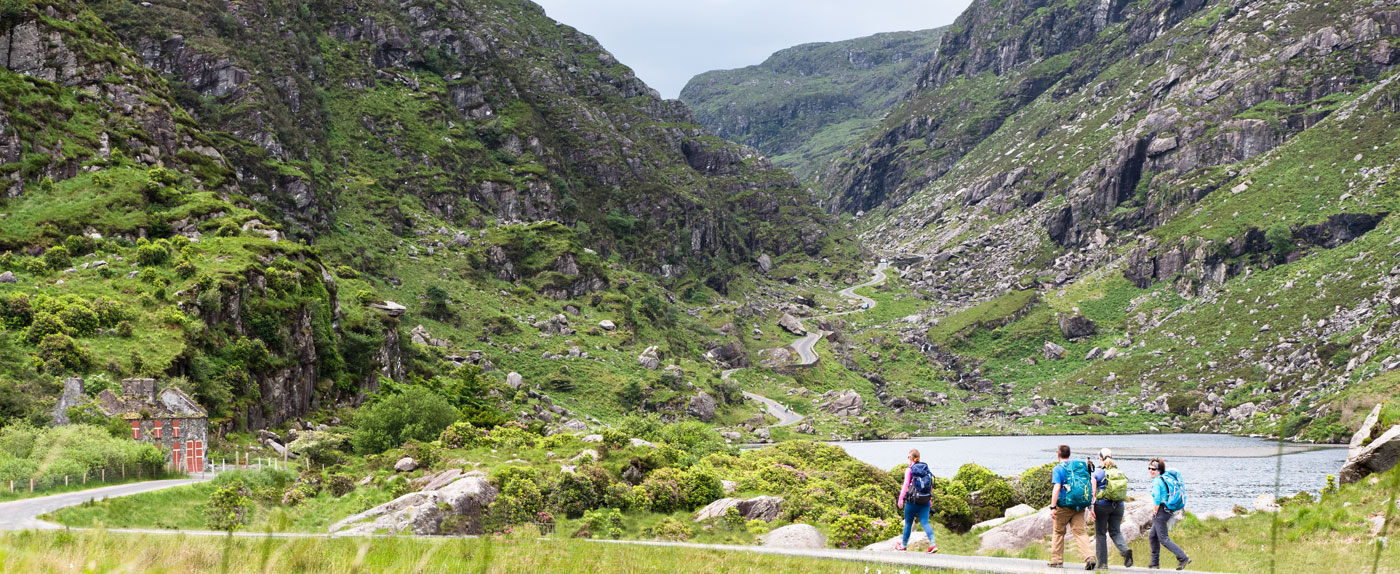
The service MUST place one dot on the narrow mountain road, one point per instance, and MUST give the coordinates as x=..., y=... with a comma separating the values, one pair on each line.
x=805, y=346
x=24, y=514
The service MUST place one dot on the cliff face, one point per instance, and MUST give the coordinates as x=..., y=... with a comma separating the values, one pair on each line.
x=804, y=105
x=248, y=183
x=1217, y=152
x=478, y=110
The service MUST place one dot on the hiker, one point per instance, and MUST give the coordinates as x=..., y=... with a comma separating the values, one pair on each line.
x=1071, y=495
x=916, y=498
x=1168, y=496
x=1110, y=496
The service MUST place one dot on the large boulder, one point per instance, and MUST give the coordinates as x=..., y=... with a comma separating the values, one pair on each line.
x=607, y=325
x=795, y=536
x=765, y=263
x=1053, y=352
x=792, y=325
x=7, y=277
x=406, y=464
x=847, y=404
x=515, y=380
x=649, y=359
x=1076, y=326
x=1018, y=534
x=765, y=508
x=1380, y=455
x=702, y=406
x=422, y=513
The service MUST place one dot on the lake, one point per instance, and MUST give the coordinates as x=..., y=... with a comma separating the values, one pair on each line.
x=1220, y=471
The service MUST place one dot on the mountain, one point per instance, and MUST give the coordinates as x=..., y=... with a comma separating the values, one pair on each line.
x=259, y=200
x=804, y=105
x=1202, y=188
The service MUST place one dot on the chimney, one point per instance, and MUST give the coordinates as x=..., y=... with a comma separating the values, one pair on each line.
x=148, y=390
x=131, y=388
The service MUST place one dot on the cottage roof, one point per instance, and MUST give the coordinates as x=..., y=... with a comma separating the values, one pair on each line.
x=169, y=403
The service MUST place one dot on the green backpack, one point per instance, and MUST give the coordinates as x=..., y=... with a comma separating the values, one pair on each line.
x=1116, y=489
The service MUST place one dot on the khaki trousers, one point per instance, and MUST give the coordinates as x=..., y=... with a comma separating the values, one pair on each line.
x=1075, y=520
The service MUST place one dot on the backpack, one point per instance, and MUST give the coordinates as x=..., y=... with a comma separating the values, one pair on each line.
x=1115, y=485
x=1077, y=492
x=920, y=484
x=1176, y=491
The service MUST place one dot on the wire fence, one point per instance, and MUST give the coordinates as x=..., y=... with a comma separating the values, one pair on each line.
x=68, y=481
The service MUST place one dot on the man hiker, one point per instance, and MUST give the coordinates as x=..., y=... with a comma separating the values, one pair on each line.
x=1072, y=493
x=1168, y=496
x=1110, y=494
x=916, y=498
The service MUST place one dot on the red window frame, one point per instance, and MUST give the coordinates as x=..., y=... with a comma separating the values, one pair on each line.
x=135, y=430
x=176, y=430
x=157, y=427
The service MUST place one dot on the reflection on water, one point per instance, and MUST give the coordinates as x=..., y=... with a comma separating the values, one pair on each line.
x=1220, y=470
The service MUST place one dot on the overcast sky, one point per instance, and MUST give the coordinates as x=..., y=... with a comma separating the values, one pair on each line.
x=669, y=41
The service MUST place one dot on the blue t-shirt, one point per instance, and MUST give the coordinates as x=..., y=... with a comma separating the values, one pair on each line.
x=1061, y=474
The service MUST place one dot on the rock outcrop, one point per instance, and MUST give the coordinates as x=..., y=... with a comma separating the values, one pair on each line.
x=848, y=403
x=765, y=508
x=422, y=512
x=1371, y=451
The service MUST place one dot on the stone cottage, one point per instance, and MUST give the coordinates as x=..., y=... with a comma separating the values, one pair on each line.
x=169, y=419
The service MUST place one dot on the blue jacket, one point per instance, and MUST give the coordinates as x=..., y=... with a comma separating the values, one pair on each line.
x=1159, y=491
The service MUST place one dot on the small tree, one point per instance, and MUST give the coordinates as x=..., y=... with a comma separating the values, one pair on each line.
x=631, y=395
x=416, y=413
x=1280, y=238
x=228, y=509
x=436, y=306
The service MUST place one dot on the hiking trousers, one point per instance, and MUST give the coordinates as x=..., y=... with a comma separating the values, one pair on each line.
x=1159, y=538
x=1108, y=523
x=920, y=511
x=1074, y=519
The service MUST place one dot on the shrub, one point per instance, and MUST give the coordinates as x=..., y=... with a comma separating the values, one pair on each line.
x=152, y=254
x=577, y=492
x=513, y=435
x=993, y=499
x=605, y=522
x=462, y=434
x=416, y=413
x=185, y=269
x=732, y=519
x=80, y=319
x=1280, y=239
x=952, y=508
x=869, y=500
x=974, y=476
x=125, y=330
x=1034, y=487
x=15, y=312
x=662, y=491
x=64, y=351
x=701, y=487
x=57, y=257
x=341, y=484
x=43, y=325
x=856, y=531
x=672, y=529
x=520, y=497
x=1182, y=403
x=757, y=527
x=228, y=509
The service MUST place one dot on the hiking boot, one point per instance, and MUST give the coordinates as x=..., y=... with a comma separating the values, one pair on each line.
x=933, y=549
x=1103, y=566
x=1182, y=565
x=1128, y=559
x=1057, y=564
x=1089, y=564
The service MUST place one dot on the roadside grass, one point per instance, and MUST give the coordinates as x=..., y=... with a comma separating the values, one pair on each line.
x=63, y=552
x=22, y=492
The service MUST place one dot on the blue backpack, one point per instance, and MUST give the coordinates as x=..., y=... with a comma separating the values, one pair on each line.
x=920, y=484
x=1077, y=493
x=1176, y=491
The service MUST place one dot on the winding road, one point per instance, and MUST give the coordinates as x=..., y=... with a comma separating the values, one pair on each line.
x=805, y=346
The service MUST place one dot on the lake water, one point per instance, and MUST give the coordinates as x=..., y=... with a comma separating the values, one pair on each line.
x=1220, y=471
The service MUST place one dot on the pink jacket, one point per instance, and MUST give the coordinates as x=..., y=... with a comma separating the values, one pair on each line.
x=908, y=477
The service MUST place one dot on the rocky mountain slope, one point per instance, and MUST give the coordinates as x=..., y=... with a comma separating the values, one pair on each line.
x=1202, y=188
x=804, y=105
x=280, y=204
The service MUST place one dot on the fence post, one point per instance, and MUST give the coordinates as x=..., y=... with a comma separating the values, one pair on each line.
x=65, y=480
x=31, y=485
x=104, y=475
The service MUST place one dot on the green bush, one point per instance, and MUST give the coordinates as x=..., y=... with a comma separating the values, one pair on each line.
x=672, y=529
x=462, y=434
x=57, y=258
x=152, y=254
x=228, y=509
x=701, y=487
x=520, y=497
x=602, y=522
x=513, y=435
x=993, y=499
x=974, y=476
x=81, y=320
x=64, y=351
x=415, y=413
x=856, y=531
x=662, y=491
x=1034, y=487
x=43, y=325
x=869, y=500
x=577, y=492
x=732, y=519
x=1280, y=239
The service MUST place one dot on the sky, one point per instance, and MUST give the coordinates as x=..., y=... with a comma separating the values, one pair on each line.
x=667, y=42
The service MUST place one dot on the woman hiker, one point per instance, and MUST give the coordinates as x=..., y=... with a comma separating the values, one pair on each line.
x=1110, y=494
x=1159, y=536
x=916, y=498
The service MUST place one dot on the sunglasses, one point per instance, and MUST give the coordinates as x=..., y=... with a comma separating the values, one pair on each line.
x=1152, y=468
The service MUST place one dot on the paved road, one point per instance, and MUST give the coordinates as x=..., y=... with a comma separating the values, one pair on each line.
x=785, y=417
x=920, y=560
x=805, y=352
x=24, y=514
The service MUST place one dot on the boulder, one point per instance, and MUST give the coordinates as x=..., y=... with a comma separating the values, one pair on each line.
x=640, y=442
x=1019, y=510
x=1380, y=455
x=1053, y=352
x=848, y=404
x=1094, y=353
x=7, y=277
x=765, y=263
x=1266, y=503
x=795, y=536
x=702, y=406
x=765, y=508
x=729, y=486
x=648, y=359
x=406, y=464
x=792, y=325
x=515, y=380
x=804, y=427
x=1367, y=428
x=439, y=480
x=762, y=434
x=1076, y=326
x=1018, y=534
x=730, y=435
x=422, y=513
x=575, y=425
x=716, y=509
x=607, y=325
x=389, y=308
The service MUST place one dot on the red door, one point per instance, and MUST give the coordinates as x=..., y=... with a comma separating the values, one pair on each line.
x=176, y=459
x=194, y=456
